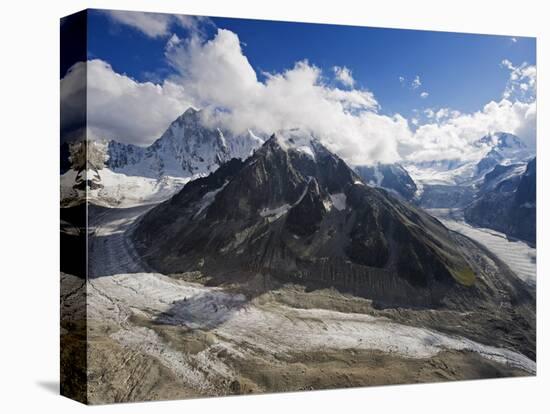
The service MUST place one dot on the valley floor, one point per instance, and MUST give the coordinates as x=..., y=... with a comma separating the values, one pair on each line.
x=152, y=336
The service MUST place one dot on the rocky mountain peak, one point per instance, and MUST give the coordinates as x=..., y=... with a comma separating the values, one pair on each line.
x=190, y=114
x=506, y=140
x=296, y=211
x=502, y=143
x=505, y=148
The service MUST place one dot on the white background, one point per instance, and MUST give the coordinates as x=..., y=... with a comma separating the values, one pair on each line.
x=29, y=123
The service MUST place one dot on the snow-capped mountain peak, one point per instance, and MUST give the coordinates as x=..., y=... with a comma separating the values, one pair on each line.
x=502, y=140
x=497, y=148
x=504, y=149
x=189, y=147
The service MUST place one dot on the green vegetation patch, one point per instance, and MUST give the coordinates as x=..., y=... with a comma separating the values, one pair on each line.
x=464, y=276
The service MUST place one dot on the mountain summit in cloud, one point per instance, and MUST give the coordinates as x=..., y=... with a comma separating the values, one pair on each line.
x=188, y=148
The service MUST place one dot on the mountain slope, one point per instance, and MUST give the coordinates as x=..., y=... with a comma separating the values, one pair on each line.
x=296, y=212
x=509, y=203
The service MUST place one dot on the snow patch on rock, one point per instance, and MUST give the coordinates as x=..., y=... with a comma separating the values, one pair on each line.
x=208, y=199
x=297, y=139
x=273, y=214
x=338, y=201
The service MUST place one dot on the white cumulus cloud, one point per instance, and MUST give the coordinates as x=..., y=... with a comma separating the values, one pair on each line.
x=416, y=83
x=156, y=24
x=150, y=24
x=450, y=134
x=119, y=107
x=522, y=82
x=343, y=75
x=219, y=77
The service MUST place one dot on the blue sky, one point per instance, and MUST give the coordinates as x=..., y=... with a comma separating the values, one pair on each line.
x=460, y=71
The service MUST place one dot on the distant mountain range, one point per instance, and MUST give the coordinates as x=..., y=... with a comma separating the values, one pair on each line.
x=497, y=190
x=498, y=148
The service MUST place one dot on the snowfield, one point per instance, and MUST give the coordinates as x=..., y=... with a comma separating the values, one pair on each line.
x=120, y=190
x=441, y=174
x=338, y=201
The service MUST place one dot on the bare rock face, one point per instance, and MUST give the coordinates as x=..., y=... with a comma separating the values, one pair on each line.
x=445, y=196
x=295, y=212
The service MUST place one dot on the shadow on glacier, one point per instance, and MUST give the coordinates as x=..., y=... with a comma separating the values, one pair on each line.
x=110, y=251
x=206, y=310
